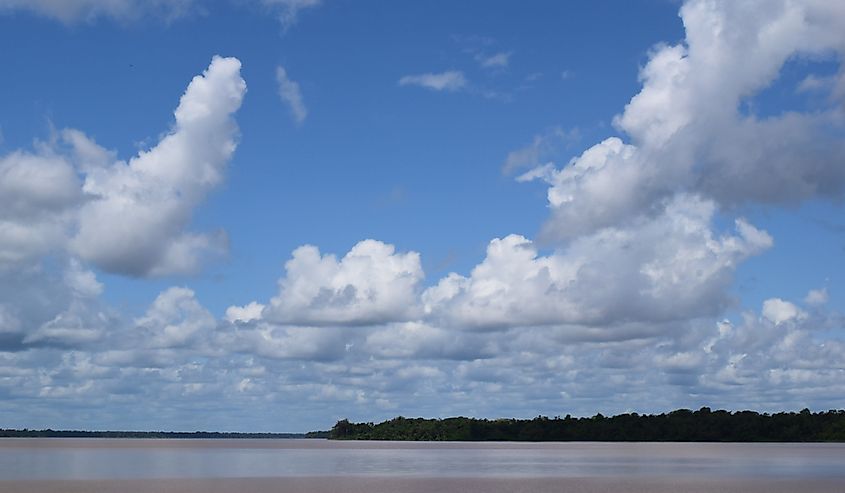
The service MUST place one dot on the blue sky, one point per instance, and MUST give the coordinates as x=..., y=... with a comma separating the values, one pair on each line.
x=421, y=208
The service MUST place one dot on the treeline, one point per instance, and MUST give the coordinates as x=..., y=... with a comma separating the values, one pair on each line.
x=26, y=433
x=682, y=425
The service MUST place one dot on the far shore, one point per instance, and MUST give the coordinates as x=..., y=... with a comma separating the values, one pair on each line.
x=230, y=435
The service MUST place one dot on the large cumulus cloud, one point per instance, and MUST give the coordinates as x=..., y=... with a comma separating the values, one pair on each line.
x=668, y=267
x=69, y=205
x=136, y=218
x=125, y=217
x=370, y=284
x=688, y=130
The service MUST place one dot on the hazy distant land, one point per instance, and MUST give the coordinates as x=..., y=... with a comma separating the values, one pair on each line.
x=48, y=433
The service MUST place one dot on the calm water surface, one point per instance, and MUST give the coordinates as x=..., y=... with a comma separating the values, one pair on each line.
x=40, y=459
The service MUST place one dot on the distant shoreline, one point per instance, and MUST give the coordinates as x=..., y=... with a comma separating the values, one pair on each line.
x=205, y=435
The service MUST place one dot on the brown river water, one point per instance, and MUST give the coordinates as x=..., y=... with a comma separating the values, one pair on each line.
x=317, y=466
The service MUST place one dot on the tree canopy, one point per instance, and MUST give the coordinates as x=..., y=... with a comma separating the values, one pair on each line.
x=682, y=425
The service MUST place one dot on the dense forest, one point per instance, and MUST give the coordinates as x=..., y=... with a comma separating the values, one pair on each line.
x=25, y=433
x=682, y=425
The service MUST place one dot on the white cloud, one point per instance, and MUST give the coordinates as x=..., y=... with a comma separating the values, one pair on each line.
x=497, y=60
x=814, y=83
x=545, y=172
x=73, y=327
x=541, y=148
x=175, y=319
x=691, y=98
x=816, y=297
x=35, y=183
x=71, y=11
x=406, y=340
x=74, y=11
x=52, y=221
x=291, y=95
x=38, y=195
x=73, y=315
x=246, y=313
x=774, y=360
x=288, y=10
x=779, y=311
x=371, y=284
x=833, y=85
x=421, y=369
x=451, y=80
x=135, y=223
x=85, y=153
x=82, y=282
x=286, y=342
x=417, y=340
x=128, y=218
x=667, y=267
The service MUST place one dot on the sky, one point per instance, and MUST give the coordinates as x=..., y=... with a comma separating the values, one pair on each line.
x=269, y=215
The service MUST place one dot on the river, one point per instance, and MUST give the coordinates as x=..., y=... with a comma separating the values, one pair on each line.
x=140, y=465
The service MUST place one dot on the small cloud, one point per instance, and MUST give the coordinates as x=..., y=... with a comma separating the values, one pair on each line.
x=451, y=80
x=566, y=74
x=291, y=95
x=246, y=313
x=545, y=172
x=779, y=311
x=288, y=10
x=816, y=297
x=73, y=11
x=499, y=60
x=538, y=151
x=813, y=83
x=834, y=85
